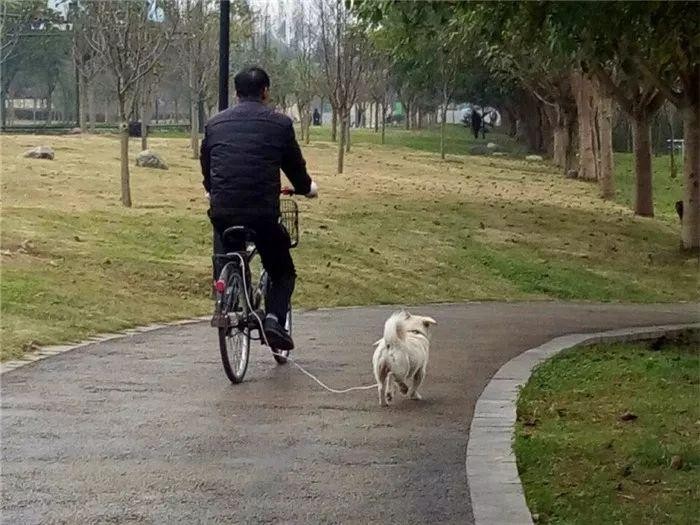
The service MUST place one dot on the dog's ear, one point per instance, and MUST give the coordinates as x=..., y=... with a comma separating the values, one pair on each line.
x=428, y=322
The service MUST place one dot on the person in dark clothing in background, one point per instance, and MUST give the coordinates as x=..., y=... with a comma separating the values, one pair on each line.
x=317, y=117
x=476, y=123
x=243, y=150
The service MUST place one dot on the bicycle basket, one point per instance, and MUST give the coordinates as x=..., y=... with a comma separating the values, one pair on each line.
x=289, y=218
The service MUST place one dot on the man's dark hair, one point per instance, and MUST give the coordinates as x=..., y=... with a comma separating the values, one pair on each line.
x=251, y=82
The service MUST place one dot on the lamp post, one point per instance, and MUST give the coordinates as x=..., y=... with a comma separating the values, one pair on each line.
x=224, y=19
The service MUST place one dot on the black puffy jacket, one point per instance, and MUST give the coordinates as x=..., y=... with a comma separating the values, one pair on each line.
x=243, y=150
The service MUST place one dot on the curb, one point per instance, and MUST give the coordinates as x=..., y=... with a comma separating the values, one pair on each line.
x=50, y=351
x=494, y=484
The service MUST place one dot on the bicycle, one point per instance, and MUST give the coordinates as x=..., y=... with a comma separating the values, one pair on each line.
x=238, y=299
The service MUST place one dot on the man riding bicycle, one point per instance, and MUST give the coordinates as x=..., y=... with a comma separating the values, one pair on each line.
x=243, y=150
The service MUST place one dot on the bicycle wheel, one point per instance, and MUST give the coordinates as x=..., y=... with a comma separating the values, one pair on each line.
x=234, y=339
x=281, y=355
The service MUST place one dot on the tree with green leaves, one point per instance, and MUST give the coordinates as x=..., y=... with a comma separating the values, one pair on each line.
x=668, y=55
x=33, y=39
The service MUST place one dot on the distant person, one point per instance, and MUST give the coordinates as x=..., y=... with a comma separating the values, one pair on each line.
x=476, y=123
x=317, y=117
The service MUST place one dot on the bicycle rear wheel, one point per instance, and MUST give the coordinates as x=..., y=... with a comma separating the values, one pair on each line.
x=234, y=339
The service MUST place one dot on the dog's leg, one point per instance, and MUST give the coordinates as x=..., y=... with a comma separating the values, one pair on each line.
x=417, y=380
x=381, y=387
x=381, y=376
x=402, y=387
x=389, y=388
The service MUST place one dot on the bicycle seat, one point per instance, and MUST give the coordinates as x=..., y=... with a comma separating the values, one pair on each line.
x=239, y=234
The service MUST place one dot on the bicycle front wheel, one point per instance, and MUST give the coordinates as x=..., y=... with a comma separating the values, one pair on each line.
x=234, y=338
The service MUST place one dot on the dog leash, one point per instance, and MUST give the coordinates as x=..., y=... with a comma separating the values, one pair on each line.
x=321, y=383
x=292, y=360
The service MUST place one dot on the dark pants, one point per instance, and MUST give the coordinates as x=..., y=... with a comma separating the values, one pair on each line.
x=272, y=242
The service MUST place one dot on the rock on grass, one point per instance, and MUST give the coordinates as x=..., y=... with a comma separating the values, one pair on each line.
x=150, y=159
x=40, y=152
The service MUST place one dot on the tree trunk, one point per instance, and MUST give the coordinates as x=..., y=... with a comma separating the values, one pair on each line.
x=511, y=121
x=587, y=158
x=531, y=127
x=347, y=135
x=560, y=135
x=11, y=110
x=144, y=124
x=690, y=230
x=194, y=131
x=82, y=100
x=571, y=162
x=407, y=110
x=607, y=167
x=443, y=129
x=561, y=144
x=200, y=113
x=383, y=122
x=641, y=140
x=124, y=159
x=301, y=122
x=3, y=113
x=49, y=107
x=334, y=125
x=376, y=117
x=672, y=134
x=341, y=143
x=91, y=106
x=307, y=125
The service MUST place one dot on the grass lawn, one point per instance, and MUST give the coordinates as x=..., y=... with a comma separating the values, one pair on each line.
x=582, y=463
x=75, y=262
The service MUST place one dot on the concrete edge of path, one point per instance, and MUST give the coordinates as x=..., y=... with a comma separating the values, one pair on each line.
x=494, y=483
x=50, y=351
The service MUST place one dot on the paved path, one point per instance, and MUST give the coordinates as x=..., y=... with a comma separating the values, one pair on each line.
x=148, y=430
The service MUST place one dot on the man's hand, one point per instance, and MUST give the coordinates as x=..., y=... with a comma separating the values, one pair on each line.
x=313, y=193
x=207, y=196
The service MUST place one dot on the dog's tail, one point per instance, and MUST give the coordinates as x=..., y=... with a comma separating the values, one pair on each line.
x=394, y=329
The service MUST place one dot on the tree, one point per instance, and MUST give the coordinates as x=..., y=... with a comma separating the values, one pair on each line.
x=668, y=55
x=131, y=41
x=605, y=38
x=88, y=62
x=379, y=82
x=196, y=44
x=341, y=43
x=305, y=69
x=31, y=34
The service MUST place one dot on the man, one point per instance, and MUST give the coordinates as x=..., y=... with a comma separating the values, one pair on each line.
x=476, y=123
x=243, y=150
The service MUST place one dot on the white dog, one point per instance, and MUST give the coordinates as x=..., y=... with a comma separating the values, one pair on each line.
x=401, y=357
